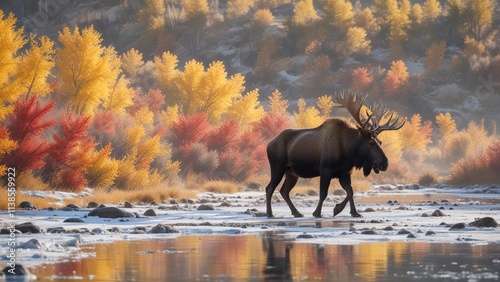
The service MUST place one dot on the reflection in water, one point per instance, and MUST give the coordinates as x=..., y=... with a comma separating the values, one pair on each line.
x=271, y=257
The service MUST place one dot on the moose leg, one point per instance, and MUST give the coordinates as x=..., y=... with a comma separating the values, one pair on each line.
x=324, y=184
x=345, y=182
x=276, y=177
x=290, y=181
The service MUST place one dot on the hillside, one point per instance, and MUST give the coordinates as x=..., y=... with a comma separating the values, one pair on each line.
x=215, y=64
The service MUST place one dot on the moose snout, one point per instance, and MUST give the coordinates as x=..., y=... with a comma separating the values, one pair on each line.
x=381, y=165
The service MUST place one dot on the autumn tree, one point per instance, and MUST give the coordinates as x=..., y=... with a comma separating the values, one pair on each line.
x=339, y=15
x=357, y=42
x=103, y=169
x=87, y=70
x=473, y=47
x=366, y=20
x=37, y=62
x=131, y=62
x=325, y=106
x=447, y=127
x=399, y=69
x=432, y=10
x=196, y=16
x=262, y=18
x=70, y=154
x=166, y=76
x=434, y=56
x=361, y=79
x=237, y=8
x=307, y=117
x=27, y=125
x=478, y=16
x=264, y=65
x=120, y=97
x=152, y=15
x=417, y=15
x=246, y=110
x=12, y=41
x=415, y=135
x=304, y=13
x=277, y=105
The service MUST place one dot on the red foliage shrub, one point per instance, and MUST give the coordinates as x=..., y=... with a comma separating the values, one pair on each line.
x=200, y=160
x=271, y=125
x=26, y=126
x=189, y=129
x=391, y=83
x=234, y=165
x=223, y=137
x=104, y=122
x=64, y=167
x=138, y=102
x=155, y=100
x=361, y=79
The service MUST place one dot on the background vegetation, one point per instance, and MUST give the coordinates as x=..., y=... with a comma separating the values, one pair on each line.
x=134, y=94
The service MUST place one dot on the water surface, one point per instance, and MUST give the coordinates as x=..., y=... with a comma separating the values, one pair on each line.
x=273, y=257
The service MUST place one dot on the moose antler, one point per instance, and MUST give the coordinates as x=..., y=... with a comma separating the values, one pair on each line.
x=353, y=103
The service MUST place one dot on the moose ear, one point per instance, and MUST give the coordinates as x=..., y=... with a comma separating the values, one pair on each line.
x=367, y=169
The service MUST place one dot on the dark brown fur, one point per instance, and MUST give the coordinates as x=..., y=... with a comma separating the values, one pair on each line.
x=329, y=151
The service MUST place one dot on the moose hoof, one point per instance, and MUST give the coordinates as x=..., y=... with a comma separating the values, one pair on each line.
x=298, y=215
x=356, y=215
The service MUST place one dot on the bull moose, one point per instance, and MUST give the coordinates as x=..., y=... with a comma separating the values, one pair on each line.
x=330, y=151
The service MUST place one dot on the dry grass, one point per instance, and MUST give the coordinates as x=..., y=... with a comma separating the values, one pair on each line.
x=39, y=203
x=220, y=186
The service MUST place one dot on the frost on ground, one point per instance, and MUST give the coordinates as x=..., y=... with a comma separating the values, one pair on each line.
x=390, y=213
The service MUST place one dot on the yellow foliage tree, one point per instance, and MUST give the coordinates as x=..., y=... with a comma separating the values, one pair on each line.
x=356, y=39
x=412, y=136
x=432, y=10
x=237, y=8
x=366, y=20
x=131, y=62
x=473, y=47
x=148, y=151
x=479, y=16
x=398, y=68
x=119, y=98
x=87, y=70
x=167, y=76
x=246, y=110
x=263, y=17
x=277, y=105
x=447, y=127
x=12, y=40
x=417, y=14
x=133, y=135
x=103, y=170
x=144, y=116
x=170, y=115
x=434, y=56
x=127, y=169
x=325, y=105
x=339, y=14
x=36, y=65
x=307, y=117
x=152, y=15
x=304, y=13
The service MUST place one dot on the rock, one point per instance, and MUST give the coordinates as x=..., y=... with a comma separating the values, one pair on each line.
x=150, y=212
x=369, y=232
x=186, y=201
x=72, y=243
x=92, y=205
x=312, y=192
x=98, y=230
x=110, y=212
x=28, y=227
x=484, y=222
x=305, y=236
x=339, y=192
x=225, y=204
x=17, y=270
x=128, y=205
x=411, y=236
x=425, y=215
x=404, y=231
x=369, y=210
x=73, y=219
x=389, y=228
x=115, y=229
x=402, y=208
x=27, y=206
x=31, y=244
x=457, y=226
x=73, y=206
x=173, y=202
x=253, y=186
x=162, y=228
x=206, y=207
x=438, y=213
x=58, y=229
x=429, y=233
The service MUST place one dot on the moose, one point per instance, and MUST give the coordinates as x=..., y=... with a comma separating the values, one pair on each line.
x=331, y=150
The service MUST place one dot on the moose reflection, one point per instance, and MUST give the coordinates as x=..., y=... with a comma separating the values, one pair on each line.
x=330, y=151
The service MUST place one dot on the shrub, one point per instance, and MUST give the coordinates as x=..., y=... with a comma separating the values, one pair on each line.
x=428, y=177
x=200, y=160
x=479, y=170
x=220, y=187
